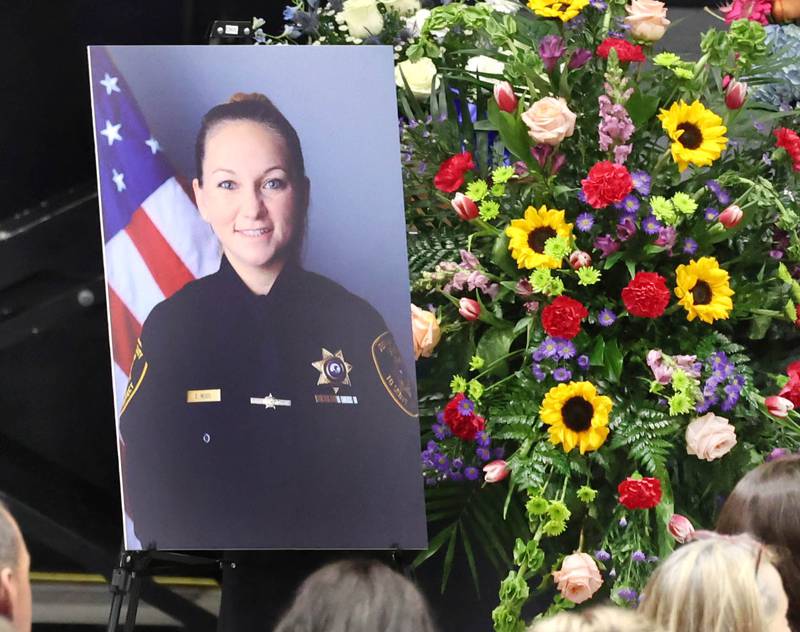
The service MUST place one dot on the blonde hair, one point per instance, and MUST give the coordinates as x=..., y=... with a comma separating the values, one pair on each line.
x=712, y=584
x=598, y=619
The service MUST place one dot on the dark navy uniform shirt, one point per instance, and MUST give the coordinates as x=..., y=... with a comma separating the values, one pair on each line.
x=277, y=421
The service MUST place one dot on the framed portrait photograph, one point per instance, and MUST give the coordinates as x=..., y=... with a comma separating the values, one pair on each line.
x=258, y=297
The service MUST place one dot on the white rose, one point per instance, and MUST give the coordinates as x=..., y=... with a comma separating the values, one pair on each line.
x=403, y=7
x=415, y=23
x=483, y=65
x=504, y=6
x=362, y=17
x=419, y=75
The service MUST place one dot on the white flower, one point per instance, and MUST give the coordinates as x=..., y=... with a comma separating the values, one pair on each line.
x=415, y=23
x=362, y=17
x=419, y=75
x=504, y=6
x=403, y=7
x=483, y=65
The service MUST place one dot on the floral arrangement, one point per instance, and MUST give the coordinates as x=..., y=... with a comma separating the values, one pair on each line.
x=604, y=248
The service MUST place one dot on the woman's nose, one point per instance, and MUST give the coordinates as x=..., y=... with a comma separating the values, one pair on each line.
x=254, y=205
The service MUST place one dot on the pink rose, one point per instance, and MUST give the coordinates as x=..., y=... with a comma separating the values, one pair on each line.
x=778, y=406
x=549, y=121
x=680, y=528
x=464, y=207
x=647, y=20
x=731, y=216
x=469, y=308
x=579, y=577
x=710, y=437
x=496, y=471
x=425, y=331
x=504, y=96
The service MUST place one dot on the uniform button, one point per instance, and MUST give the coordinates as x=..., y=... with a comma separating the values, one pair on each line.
x=206, y=438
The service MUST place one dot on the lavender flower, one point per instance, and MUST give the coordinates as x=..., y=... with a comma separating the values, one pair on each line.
x=776, y=453
x=442, y=463
x=549, y=347
x=638, y=556
x=600, y=5
x=602, y=556
x=440, y=431
x=583, y=362
x=651, y=225
x=711, y=214
x=482, y=439
x=666, y=237
x=581, y=196
x=483, y=454
x=623, y=522
x=466, y=407
x=579, y=58
x=606, y=244
x=471, y=473
x=626, y=229
x=631, y=203
x=538, y=373
x=566, y=349
x=689, y=246
x=499, y=452
x=562, y=374
x=606, y=318
x=628, y=594
x=615, y=128
x=641, y=182
x=584, y=222
x=551, y=48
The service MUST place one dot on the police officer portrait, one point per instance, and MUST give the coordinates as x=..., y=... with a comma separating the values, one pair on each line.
x=257, y=281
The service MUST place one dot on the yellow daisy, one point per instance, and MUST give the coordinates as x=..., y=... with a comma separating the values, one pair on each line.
x=703, y=290
x=565, y=10
x=577, y=415
x=529, y=235
x=697, y=134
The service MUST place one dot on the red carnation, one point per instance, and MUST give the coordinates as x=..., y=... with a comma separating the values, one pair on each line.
x=562, y=318
x=644, y=493
x=790, y=141
x=647, y=295
x=625, y=50
x=791, y=390
x=607, y=183
x=464, y=423
x=451, y=172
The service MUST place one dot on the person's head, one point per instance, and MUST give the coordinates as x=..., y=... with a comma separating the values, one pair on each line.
x=717, y=584
x=597, y=619
x=15, y=586
x=766, y=504
x=251, y=185
x=357, y=596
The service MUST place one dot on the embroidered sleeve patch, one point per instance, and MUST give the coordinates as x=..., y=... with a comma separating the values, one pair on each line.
x=138, y=371
x=393, y=374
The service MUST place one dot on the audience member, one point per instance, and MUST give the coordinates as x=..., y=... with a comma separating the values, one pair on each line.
x=15, y=587
x=766, y=504
x=357, y=595
x=717, y=584
x=598, y=619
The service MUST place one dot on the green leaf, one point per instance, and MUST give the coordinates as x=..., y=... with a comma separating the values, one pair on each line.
x=612, y=260
x=596, y=357
x=641, y=108
x=473, y=569
x=612, y=359
x=664, y=511
x=448, y=556
x=631, y=265
x=512, y=131
x=501, y=256
x=434, y=545
x=494, y=344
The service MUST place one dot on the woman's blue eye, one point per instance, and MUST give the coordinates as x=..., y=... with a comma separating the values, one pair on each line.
x=274, y=184
x=226, y=184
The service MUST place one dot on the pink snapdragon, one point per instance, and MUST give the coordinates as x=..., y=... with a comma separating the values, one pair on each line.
x=615, y=128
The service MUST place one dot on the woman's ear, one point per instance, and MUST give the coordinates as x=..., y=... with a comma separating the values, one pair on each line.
x=7, y=593
x=197, y=188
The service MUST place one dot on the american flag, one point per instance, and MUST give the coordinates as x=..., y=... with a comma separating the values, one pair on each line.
x=155, y=240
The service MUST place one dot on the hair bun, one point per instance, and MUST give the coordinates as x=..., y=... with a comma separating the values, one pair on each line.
x=255, y=97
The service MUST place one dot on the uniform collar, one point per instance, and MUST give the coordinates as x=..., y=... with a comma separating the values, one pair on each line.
x=283, y=286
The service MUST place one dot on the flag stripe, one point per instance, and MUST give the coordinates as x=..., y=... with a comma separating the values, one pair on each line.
x=167, y=269
x=130, y=277
x=125, y=330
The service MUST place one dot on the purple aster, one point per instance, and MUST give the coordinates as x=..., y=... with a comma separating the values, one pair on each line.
x=638, y=556
x=561, y=374
x=729, y=403
x=578, y=59
x=457, y=463
x=466, y=407
x=776, y=254
x=440, y=431
x=777, y=453
x=430, y=481
x=723, y=197
x=626, y=229
x=606, y=318
x=432, y=446
x=606, y=244
x=584, y=222
x=630, y=203
x=623, y=522
x=689, y=246
x=581, y=196
x=483, y=454
x=651, y=225
x=482, y=439
x=628, y=594
x=566, y=349
x=711, y=214
x=471, y=473
x=602, y=556
x=713, y=186
x=538, y=373
x=499, y=452
x=583, y=362
x=549, y=347
x=600, y=5
x=538, y=354
x=455, y=475
x=641, y=182
x=442, y=463
x=551, y=48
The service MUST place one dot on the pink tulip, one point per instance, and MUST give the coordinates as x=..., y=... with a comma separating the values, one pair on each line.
x=580, y=259
x=504, y=97
x=731, y=216
x=778, y=406
x=680, y=528
x=735, y=94
x=469, y=308
x=496, y=471
x=464, y=207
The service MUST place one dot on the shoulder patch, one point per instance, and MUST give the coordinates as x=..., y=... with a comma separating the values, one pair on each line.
x=138, y=371
x=391, y=369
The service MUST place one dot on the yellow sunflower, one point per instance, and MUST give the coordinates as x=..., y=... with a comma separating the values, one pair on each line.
x=565, y=10
x=697, y=134
x=529, y=235
x=703, y=290
x=577, y=415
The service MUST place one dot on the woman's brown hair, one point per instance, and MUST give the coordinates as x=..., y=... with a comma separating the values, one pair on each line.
x=766, y=504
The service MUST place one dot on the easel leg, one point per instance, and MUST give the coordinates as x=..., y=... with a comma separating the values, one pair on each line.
x=120, y=584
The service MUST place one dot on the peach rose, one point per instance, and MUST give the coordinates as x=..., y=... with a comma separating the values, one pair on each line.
x=710, y=437
x=425, y=331
x=578, y=578
x=549, y=121
x=647, y=20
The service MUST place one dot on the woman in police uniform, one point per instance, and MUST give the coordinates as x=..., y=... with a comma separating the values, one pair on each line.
x=268, y=406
